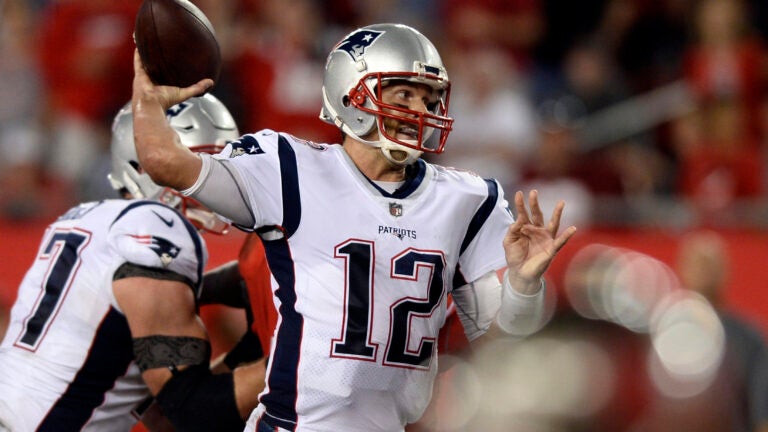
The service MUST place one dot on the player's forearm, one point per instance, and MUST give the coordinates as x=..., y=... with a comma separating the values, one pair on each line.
x=160, y=152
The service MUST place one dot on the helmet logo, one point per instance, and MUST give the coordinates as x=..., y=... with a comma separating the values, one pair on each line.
x=177, y=109
x=356, y=43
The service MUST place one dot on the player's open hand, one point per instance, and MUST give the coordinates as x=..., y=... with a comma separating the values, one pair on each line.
x=530, y=245
x=166, y=96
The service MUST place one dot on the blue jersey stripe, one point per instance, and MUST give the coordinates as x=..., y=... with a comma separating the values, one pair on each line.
x=482, y=214
x=108, y=359
x=284, y=360
x=290, y=186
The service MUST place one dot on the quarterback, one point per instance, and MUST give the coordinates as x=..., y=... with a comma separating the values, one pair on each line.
x=364, y=239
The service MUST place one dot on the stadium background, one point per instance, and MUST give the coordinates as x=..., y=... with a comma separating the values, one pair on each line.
x=649, y=117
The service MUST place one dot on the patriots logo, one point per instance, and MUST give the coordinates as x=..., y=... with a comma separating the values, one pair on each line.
x=164, y=248
x=246, y=145
x=356, y=43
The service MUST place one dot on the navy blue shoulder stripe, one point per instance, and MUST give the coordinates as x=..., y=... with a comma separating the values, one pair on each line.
x=482, y=214
x=290, y=186
x=193, y=234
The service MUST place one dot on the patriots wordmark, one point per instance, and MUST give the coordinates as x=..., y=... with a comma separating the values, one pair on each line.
x=400, y=233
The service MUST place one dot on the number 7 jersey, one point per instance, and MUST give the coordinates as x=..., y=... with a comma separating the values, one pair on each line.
x=360, y=277
x=66, y=362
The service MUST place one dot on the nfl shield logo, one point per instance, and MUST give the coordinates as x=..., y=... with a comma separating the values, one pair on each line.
x=395, y=209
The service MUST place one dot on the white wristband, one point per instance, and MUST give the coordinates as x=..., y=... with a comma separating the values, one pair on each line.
x=520, y=314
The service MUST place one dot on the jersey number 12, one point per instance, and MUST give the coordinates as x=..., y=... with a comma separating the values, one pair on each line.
x=355, y=340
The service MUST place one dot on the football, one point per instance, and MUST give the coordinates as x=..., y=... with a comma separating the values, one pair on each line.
x=176, y=43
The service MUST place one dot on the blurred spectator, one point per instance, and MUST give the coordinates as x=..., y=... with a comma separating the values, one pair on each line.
x=516, y=26
x=720, y=162
x=278, y=71
x=552, y=172
x=726, y=60
x=419, y=14
x=495, y=129
x=21, y=135
x=649, y=49
x=589, y=78
x=564, y=24
x=735, y=400
x=85, y=54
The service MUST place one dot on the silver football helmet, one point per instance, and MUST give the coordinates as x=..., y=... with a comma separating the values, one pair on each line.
x=357, y=67
x=204, y=125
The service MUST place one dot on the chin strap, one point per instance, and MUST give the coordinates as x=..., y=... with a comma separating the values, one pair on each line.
x=387, y=147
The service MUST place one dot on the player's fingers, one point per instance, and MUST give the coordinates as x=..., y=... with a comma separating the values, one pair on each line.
x=554, y=221
x=563, y=238
x=514, y=229
x=522, y=212
x=138, y=65
x=537, y=216
x=195, y=89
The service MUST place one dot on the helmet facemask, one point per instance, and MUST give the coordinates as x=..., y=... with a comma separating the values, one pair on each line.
x=367, y=97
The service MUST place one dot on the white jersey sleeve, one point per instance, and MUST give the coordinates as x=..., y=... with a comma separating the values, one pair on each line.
x=246, y=191
x=152, y=235
x=482, y=249
x=260, y=173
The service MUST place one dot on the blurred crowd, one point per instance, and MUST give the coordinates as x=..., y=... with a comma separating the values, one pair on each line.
x=636, y=112
x=632, y=345
x=633, y=111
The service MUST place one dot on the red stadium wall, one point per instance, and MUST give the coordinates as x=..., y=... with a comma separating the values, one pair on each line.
x=747, y=293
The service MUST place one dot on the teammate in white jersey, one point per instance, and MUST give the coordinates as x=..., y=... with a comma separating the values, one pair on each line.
x=106, y=315
x=365, y=239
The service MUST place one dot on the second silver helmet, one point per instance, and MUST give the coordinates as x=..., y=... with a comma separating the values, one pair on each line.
x=204, y=125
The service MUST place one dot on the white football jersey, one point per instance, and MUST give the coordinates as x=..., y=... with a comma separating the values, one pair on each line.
x=66, y=362
x=361, y=277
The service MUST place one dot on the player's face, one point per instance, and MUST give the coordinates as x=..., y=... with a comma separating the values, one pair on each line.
x=407, y=95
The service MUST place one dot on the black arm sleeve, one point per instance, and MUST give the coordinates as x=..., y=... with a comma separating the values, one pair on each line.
x=248, y=349
x=196, y=400
x=224, y=285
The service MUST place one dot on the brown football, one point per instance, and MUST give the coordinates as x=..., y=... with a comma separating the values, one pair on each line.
x=176, y=43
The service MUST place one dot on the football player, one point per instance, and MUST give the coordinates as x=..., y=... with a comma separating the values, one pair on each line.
x=364, y=240
x=106, y=320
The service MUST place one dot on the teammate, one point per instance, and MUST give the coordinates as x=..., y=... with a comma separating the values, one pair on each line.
x=365, y=239
x=106, y=315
